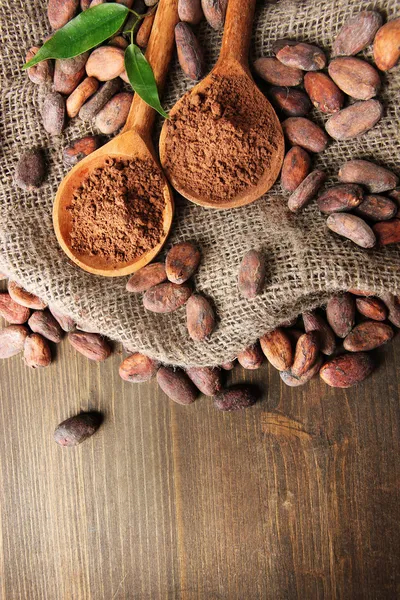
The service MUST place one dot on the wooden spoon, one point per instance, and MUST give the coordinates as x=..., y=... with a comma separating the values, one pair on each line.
x=134, y=142
x=232, y=62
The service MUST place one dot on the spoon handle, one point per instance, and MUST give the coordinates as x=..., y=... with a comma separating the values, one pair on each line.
x=159, y=53
x=237, y=31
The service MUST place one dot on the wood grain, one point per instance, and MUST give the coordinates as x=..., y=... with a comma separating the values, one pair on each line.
x=297, y=498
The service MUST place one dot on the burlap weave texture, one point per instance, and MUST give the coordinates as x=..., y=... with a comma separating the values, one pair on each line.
x=306, y=262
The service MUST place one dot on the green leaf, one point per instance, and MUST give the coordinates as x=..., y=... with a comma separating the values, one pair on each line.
x=87, y=30
x=141, y=78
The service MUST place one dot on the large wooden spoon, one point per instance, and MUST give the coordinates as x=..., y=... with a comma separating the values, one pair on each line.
x=134, y=142
x=232, y=63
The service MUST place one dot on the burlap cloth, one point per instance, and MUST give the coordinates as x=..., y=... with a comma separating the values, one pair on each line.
x=306, y=262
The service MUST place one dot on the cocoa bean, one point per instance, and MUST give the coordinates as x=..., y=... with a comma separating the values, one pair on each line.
x=387, y=232
x=387, y=45
x=368, y=336
x=59, y=12
x=177, y=385
x=352, y=228
x=144, y=31
x=200, y=317
x=206, y=379
x=340, y=313
x=138, y=368
x=79, y=96
x=166, y=297
x=11, y=311
x=79, y=149
x=36, y=351
x=114, y=114
x=324, y=93
x=65, y=83
x=314, y=322
x=228, y=366
x=24, y=298
x=306, y=190
x=182, y=262
x=251, y=274
x=75, y=430
x=44, y=323
x=190, y=11
x=235, y=398
x=296, y=166
x=355, y=77
x=12, y=339
x=214, y=12
x=306, y=57
x=66, y=323
x=358, y=292
x=53, y=113
x=292, y=380
x=347, y=370
x=273, y=71
x=293, y=103
x=31, y=170
x=277, y=347
x=357, y=33
x=372, y=308
x=147, y=277
x=395, y=194
x=306, y=353
x=354, y=120
x=190, y=53
x=251, y=358
x=376, y=179
x=119, y=42
x=303, y=132
x=85, y=4
x=42, y=73
x=91, y=345
x=376, y=208
x=393, y=305
x=72, y=66
x=93, y=106
x=340, y=198
x=281, y=43
x=105, y=63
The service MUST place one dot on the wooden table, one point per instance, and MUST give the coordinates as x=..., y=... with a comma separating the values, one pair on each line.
x=296, y=498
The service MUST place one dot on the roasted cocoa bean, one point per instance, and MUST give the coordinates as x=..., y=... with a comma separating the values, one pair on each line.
x=93, y=106
x=277, y=347
x=44, y=323
x=303, y=132
x=65, y=83
x=200, y=317
x=79, y=149
x=91, y=345
x=214, y=11
x=387, y=45
x=368, y=336
x=53, y=113
x=144, y=31
x=190, y=53
x=235, y=398
x=292, y=380
x=182, y=262
x=375, y=178
x=166, y=297
x=357, y=33
x=24, y=298
x=105, y=63
x=177, y=385
x=340, y=313
x=296, y=166
x=354, y=120
x=147, y=277
x=358, y=292
x=324, y=93
x=42, y=73
x=59, y=12
x=79, y=96
x=273, y=71
x=206, y=379
x=12, y=339
x=251, y=274
x=395, y=195
x=138, y=368
x=372, y=308
x=11, y=311
x=306, y=57
x=376, y=208
x=281, y=43
x=306, y=190
x=31, y=170
x=190, y=11
x=75, y=430
x=393, y=305
x=387, y=232
x=306, y=353
x=66, y=323
x=36, y=351
x=355, y=77
x=293, y=103
x=251, y=358
x=72, y=66
x=114, y=114
x=352, y=228
x=119, y=42
x=347, y=370
x=340, y=198
x=314, y=322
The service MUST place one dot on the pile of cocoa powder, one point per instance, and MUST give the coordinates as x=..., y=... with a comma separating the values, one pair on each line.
x=117, y=213
x=220, y=142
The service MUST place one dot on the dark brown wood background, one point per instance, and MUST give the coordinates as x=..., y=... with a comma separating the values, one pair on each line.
x=296, y=498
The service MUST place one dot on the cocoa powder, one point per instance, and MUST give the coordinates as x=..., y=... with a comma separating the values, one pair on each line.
x=117, y=213
x=220, y=141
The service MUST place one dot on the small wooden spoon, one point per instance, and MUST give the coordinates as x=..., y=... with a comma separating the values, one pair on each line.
x=134, y=142
x=232, y=62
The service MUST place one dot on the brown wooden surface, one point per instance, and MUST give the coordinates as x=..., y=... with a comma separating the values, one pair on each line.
x=295, y=498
